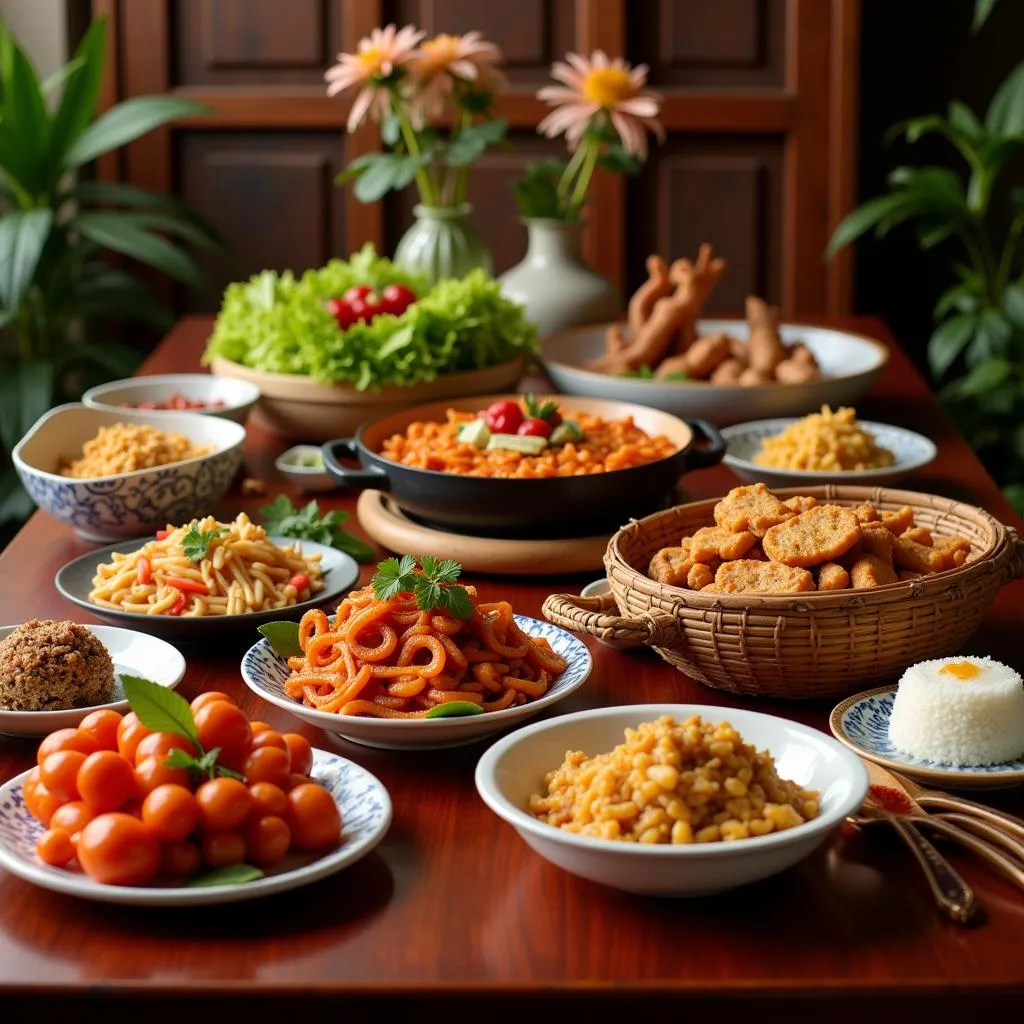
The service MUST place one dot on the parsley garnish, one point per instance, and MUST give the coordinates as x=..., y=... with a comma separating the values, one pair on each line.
x=196, y=544
x=307, y=524
x=540, y=411
x=433, y=584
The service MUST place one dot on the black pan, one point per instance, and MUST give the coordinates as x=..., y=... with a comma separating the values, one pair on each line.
x=552, y=507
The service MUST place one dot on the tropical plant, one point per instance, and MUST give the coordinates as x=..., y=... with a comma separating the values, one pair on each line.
x=57, y=292
x=976, y=351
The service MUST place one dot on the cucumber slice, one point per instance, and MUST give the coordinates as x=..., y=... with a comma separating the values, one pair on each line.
x=475, y=433
x=528, y=444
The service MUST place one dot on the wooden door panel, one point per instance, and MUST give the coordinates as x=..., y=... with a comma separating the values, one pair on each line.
x=265, y=42
x=730, y=43
x=271, y=194
x=718, y=191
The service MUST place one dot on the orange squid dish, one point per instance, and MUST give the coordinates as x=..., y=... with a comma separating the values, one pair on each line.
x=391, y=659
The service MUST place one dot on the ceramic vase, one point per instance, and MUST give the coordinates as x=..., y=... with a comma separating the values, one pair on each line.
x=442, y=243
x=554, y=284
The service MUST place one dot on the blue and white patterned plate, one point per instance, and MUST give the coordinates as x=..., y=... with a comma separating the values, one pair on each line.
x=911, y=451
x=365, y=813
x=862, y=723
x=265, y=673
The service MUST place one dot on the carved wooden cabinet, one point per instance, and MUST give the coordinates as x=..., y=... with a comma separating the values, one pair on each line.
x=759, y=110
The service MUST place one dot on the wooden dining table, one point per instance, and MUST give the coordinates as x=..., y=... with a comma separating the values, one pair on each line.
x=453, y=917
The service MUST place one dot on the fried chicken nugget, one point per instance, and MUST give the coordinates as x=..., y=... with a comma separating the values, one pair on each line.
x=867, y=514
x=955, y=550
x=671, y=565
x=800, y=502
x=869, y=571
x=700, y=576
x=715, y=541
x=746, y=576
x=832, y=576
x=752, y=507
x=821, y=534
x=876, y=540
x=899, y=522
x=920, y=535
x=908, y=554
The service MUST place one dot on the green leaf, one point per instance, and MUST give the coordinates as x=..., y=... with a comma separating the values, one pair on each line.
x=1005, y=115
x=283, y=637
x=991, y=337
x=25, y=123
x=126, y=122
x=391, y=129
x=15, y=503
x=160, y=709
x=233, y=874
x=471, y=142
x=196, y=543
x=948, y=341
x=454, y=709
x=985, y=377
x=81, y=94
x=23, y=235
x=1013, y=303
x=177, y=758
x=386, y=171
x=353, y=546
x=982, y=9
x=1014, y=494
x=115, y=231
x=618, y=161
x=963, y=120
x=394, y=577
x=119, y=360
x=457, y=602
x=53, y=82
x=897, y=204
x=536, y=192
x=26, y=392
x=964, y=298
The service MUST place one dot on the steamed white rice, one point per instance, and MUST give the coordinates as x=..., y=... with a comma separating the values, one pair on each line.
x=939, y=716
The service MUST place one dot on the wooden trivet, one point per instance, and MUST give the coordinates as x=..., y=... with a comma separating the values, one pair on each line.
x=390, y=527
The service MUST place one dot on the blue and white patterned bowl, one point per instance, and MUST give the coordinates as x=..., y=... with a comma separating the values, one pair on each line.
x=130, y=504
x=911, y=451
x=265, y=673
x=862, y=723
x=365, y=813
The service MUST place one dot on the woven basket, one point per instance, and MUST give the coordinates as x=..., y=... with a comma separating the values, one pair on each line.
x=821, y=644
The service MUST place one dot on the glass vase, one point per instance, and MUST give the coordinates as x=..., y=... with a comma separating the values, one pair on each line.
x=442, y=243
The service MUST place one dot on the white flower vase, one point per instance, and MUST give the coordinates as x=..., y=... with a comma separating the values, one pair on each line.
x=442, y=243
x=554, y=284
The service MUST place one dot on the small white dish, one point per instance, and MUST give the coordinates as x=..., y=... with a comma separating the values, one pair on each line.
x=237, y=396
x=598, y=588
x=365, y=814
x=911, y=452
x=133, y=653
x=265, y=673
x=861, y=722
x=129, y=504
x=514, y=768
x=308, y=479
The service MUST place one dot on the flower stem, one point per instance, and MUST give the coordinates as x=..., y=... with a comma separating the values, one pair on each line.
x=428, y=195
x=565, y=182
x=579, y=193
x=462, y=177
x=1009, y=251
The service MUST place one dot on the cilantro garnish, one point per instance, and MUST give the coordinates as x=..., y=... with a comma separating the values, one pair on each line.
x=433, y=584
x=538, y=410
x=307, y=524
x=196, y=543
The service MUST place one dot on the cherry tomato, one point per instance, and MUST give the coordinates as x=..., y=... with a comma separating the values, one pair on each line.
x=267, y=764
x=366, y=308
x=55, y=847
x=257, y=727
x=534, y=427
x=180, y=859
x=267, y=799
x=220, y=724
x=341, y=310
x=223, y=803
x=210, y=697
x=301, y=752
x=117, y=849
x=296, y=779
x=160, y=744
x=151, y=772
x=223, y=848
x=41, y=803
x=313, y=817
x=102, y=727
x=66, y=739
x=59, y=773
x=106, y=781
x=170, y=812
x=357, y=292
x=268, y=738
x=396, y=299
x=503, y=417
x=267, y=840
x=73, y=817
x=130, y=734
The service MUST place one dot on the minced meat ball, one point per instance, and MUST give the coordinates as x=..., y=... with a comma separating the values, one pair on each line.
x=51, y=666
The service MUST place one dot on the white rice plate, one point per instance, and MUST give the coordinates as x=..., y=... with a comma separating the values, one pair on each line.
x=939, y=717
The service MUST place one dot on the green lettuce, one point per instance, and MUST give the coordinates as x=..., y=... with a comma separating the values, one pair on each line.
x=279, y=324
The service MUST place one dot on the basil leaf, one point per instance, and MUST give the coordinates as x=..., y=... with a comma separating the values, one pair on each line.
x=160, y=709
x=233, y=874
x=177, y=758
x=283, y=637
x=454, y=709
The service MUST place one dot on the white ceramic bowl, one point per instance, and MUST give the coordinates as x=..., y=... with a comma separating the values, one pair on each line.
x=850, y=363
x=132, y=504
x=132, y=652
x=912, y=451
x=306, y=479
x=265, y=673
x=238, y=396
x=514, y=768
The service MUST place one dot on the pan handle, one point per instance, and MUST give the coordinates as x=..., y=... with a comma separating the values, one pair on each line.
x=355, y=478
x=598, y=617
x=704, y=458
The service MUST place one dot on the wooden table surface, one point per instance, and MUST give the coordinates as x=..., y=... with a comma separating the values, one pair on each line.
x=454, y=904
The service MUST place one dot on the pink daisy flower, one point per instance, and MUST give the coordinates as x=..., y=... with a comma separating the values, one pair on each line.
x=440, y=61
